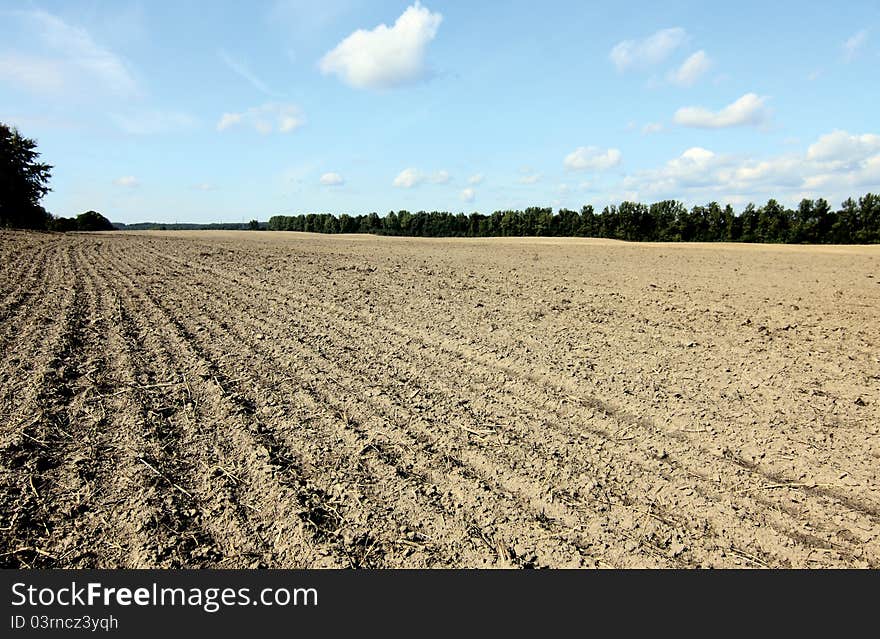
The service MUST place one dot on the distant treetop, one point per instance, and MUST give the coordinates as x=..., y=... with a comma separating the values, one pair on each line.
x=23, y=181
x=93, y=221
x=813, y=222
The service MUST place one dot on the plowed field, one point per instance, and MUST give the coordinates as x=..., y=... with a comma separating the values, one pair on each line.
x=290, y=400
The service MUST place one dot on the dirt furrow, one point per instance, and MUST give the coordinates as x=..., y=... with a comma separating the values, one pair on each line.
x=471, y=360
x=288, y=400
x=652, y=463
x=485, y=473
x=261, y=510
x=859, y=469
x=34, y=315
x=36, y=434
x=21, y=279
x=123, y=515
x=533, y=517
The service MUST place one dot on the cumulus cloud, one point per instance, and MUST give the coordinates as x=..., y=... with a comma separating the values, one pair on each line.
x=702, y=171
x=69, y=61
x=468, y=195
x=749, y=110
x=841, y=147
x=267, y=118
x=651, y=128
x=592, y=158
x=408, y=178
x=476, y=178
x=837, y=165
x=411, y=177
x=128, y=181
x=332, y=179
x=650, y=51
x=694, y=167
x=441, y=177
x=385, y=57
x=691, y=69
x=854, y=44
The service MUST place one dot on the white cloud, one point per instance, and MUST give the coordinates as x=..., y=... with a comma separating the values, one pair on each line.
x=385, y=57
x=778, y=172
x=242, y=70
x=267, y=118
x=747, y=110
x=476, y=178
x=841, y=147
x=698, y=156
x=592, y=158
x=652, y=50
x=411, y=177
x=692, y=168
x=204, y=186
x=531, y=178
x=153, y=122
x=332, y=179
x=651, y=128
x=408, y=178
x=69, y=62
x=854, y=44
x=691, y=69
x=128, y=181
x=836, y=166
x=468, y=195
x=441, y=177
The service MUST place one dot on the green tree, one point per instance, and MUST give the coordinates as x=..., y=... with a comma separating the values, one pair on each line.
x=92, y=221
x=717, y=227
x=748, y=223
x=23, y=181
x=847, y=223
x=773, y=222
x=62, y=224
x=869, y=215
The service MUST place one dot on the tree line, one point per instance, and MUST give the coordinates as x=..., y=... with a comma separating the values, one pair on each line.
x=253, y=225
x=88, y=221
x=24, y=181
x=812, y=222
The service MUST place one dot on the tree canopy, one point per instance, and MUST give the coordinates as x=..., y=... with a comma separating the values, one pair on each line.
x=23, y=181
x=814, y=222
x=93, y=221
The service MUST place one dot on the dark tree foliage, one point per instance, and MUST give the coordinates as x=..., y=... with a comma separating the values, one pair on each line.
x=93, y=221
x=185, y=226
x=23, y=181
x=63, y=224
x=813, y=222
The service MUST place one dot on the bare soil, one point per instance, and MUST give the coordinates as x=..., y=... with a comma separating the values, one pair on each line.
x=250, y=399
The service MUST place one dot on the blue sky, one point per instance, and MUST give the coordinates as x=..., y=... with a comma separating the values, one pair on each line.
x=227, y=111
